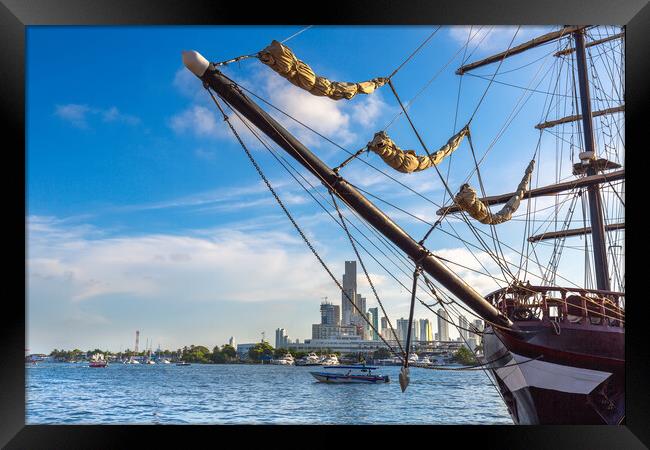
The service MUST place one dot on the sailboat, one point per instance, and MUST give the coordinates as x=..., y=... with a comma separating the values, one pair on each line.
x=553, y=348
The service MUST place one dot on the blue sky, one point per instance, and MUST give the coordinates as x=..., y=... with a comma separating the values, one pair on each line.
x=143, y=212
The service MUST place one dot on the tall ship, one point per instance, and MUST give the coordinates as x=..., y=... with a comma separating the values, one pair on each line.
x=552, y=245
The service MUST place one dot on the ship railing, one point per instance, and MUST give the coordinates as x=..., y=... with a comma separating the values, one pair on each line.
x=573, y=305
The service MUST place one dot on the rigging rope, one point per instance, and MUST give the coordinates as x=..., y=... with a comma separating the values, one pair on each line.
x=413, y=54
x=288, y=214
x=356, y=252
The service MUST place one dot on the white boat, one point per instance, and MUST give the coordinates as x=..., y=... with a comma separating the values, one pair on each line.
x=286, y=360
x=309, y=360
x=350, y=374
x=330, y=360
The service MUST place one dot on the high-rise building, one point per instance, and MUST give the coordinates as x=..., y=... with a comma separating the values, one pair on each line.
x=330, y=314
x=232, y=342
x=349, y=288
x=375, y=322
x=443, y=325
x=425, y=330
x=478, y=324
x=384, y=326
x=463, y=326
x=281, y=338
x=402, y=329
x=388, y=334
x=320, y=331
x=415, y=331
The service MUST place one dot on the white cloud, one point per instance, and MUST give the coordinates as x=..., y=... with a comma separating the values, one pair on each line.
x=345, y=122
x=197, y=119
x=225, y=265
x=75, y=114
x=113, y=114
x=80, y=115
x=468, y=263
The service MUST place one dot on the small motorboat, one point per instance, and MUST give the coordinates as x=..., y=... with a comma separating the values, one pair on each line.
x=350, y=374
x=97, y=360
x=183, y=363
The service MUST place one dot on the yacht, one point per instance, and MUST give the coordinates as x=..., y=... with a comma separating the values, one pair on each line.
x=330, y=360
x=309, y=360
x=286, y=360
x=350, y=374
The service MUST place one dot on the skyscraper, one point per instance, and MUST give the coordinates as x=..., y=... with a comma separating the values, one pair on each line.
x=384, y=326
x=349, y=288
x=402, y=329
x=330, y=314
x=463, y=326
x=281, y=338
x=425, y=330
x=375, y=322
x=478, y=324
x=443, y=325
x=232, y=342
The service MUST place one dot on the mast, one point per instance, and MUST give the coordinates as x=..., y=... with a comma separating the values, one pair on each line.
x=233, y=96
x=587, y=157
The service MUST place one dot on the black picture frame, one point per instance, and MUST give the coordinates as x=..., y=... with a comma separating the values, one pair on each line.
x=16, y=15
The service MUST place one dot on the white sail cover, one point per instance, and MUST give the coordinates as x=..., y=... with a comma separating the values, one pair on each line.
x=281, y=59
x=408, y=161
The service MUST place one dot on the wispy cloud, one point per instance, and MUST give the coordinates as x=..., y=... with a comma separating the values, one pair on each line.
x=493, y=38
x=344, y=121
x=220, y=266
x=80, y=115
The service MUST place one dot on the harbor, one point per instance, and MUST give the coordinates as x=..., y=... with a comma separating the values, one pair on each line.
x=65, y=393
x=402, y=288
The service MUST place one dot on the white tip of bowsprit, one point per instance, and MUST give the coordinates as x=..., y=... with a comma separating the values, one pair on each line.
x=195, y=62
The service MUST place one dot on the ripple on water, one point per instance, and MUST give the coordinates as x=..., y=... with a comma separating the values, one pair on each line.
x=209, y=394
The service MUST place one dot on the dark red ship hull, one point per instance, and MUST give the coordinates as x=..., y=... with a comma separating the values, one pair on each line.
x=559, y=374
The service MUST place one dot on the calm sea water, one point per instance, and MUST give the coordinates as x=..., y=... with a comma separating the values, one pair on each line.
x=61, y=393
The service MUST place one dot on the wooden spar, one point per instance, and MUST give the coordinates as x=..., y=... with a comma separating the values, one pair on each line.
x=546, y=190
x=574, y=232
x=592, y=43
x=602, y=112
x=548, y=37
x=233, y=96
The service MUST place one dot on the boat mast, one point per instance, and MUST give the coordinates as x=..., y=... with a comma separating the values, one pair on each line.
x=233, y=96
x=588, y=157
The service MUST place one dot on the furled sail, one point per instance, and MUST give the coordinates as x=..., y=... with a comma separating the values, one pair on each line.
x=281, y=59
x=468, y=201
x=408, y=161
